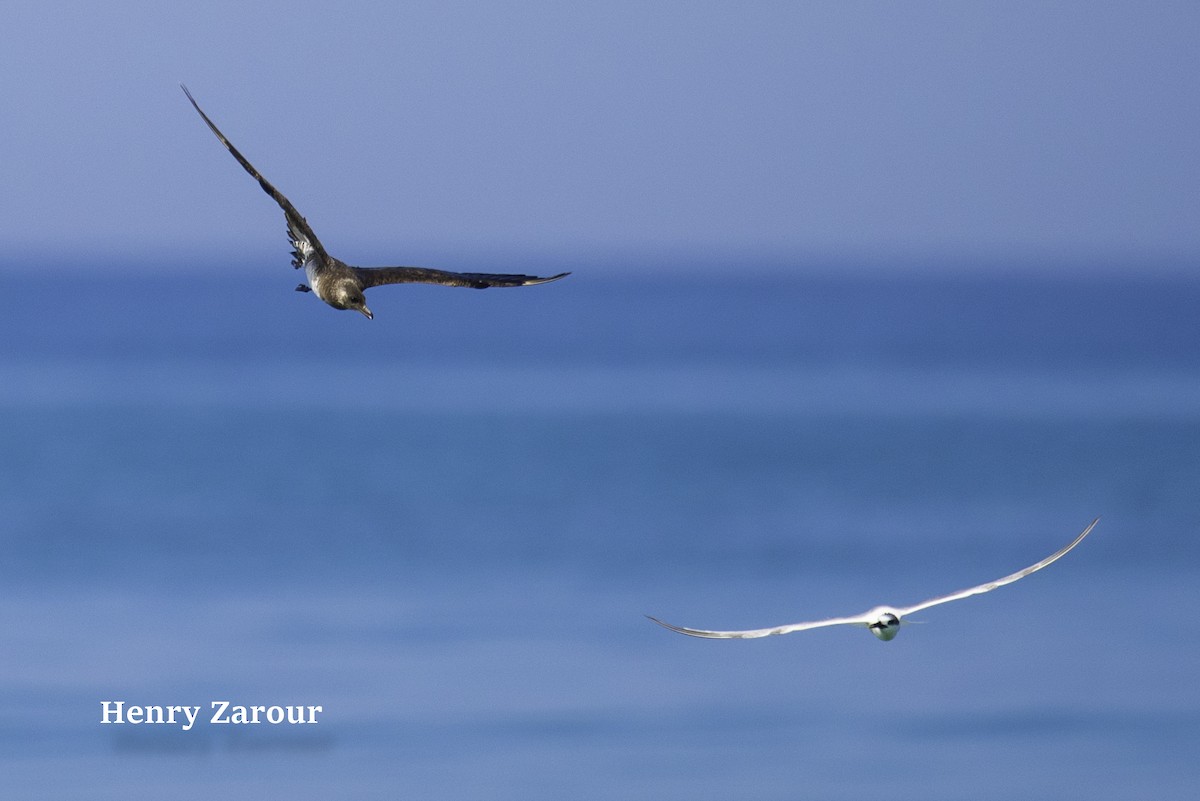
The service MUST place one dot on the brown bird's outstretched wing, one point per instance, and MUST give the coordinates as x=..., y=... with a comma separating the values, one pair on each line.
x=304, y=241
x=378, y=276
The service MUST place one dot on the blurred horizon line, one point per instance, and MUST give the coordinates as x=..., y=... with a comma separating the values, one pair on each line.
x=664, y=261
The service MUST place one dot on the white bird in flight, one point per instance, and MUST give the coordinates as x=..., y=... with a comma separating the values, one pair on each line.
x=883, y=621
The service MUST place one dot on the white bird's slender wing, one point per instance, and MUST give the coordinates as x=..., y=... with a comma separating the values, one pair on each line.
x=1000, y=582
x=859, y=620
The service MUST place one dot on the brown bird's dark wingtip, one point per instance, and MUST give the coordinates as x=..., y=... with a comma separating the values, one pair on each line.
x=192, y=100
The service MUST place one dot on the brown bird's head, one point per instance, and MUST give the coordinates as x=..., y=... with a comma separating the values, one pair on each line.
x=348, y=295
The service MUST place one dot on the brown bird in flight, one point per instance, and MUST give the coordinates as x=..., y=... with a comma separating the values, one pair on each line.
x=342, y=285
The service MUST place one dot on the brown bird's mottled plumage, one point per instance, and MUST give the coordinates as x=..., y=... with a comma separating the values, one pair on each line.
x=342, y=285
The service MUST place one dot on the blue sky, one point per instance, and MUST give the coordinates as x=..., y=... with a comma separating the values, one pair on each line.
x=724, y=135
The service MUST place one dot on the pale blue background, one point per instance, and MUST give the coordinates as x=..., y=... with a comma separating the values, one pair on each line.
x=870, y=302
x=614, y=133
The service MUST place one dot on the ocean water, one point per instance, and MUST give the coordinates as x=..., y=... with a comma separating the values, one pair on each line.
x=444, y=527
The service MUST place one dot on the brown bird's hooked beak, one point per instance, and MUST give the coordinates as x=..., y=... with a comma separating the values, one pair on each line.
x=367, y=313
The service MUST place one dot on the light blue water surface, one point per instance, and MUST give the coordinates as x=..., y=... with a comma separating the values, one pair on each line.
x=444, y=526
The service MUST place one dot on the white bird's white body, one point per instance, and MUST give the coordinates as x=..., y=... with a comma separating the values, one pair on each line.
x=883, y=621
